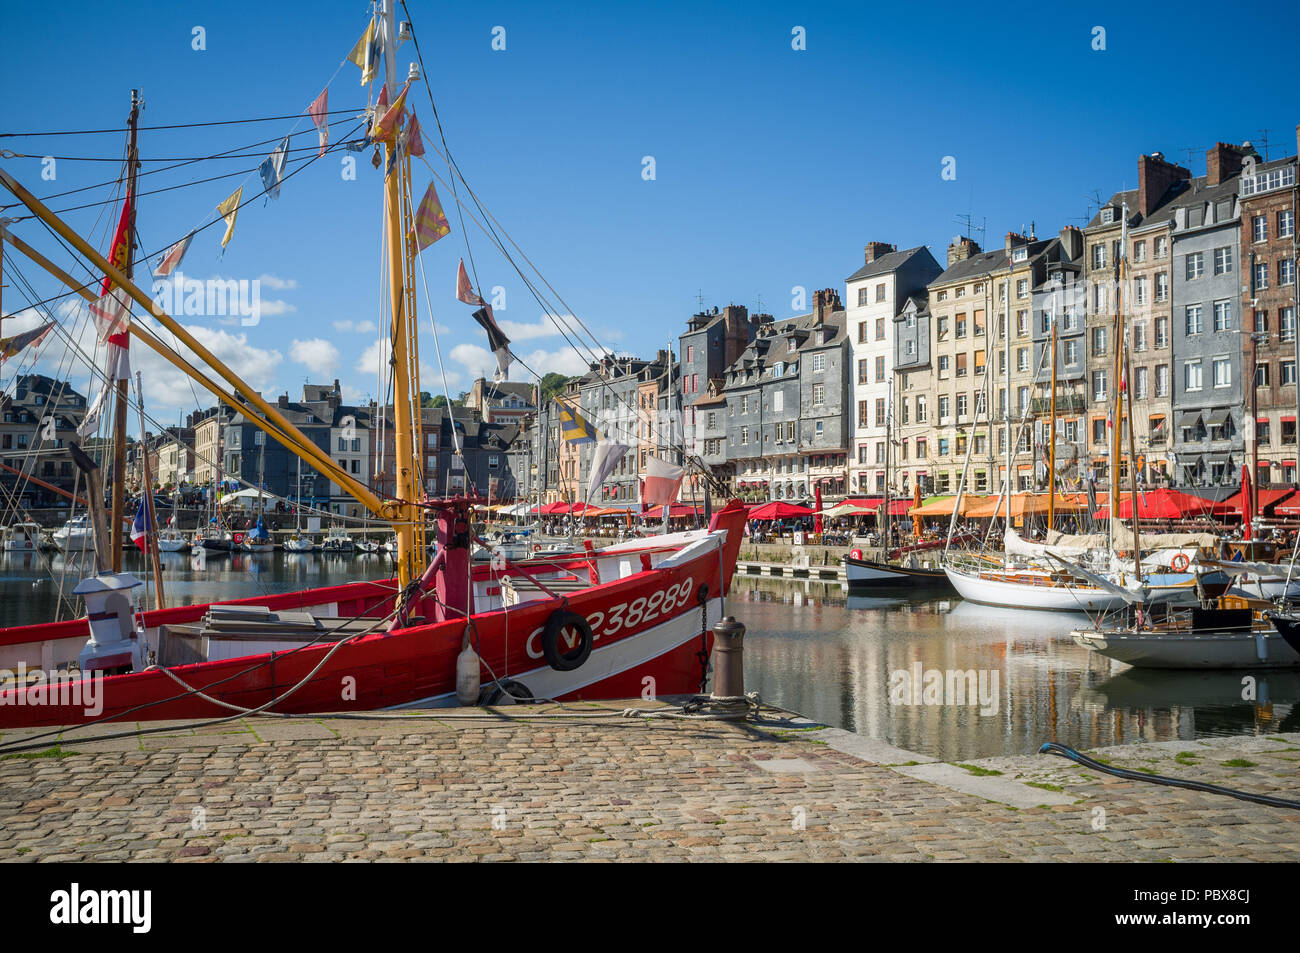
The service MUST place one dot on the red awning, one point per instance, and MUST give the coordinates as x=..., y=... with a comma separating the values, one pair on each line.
x=777, y=510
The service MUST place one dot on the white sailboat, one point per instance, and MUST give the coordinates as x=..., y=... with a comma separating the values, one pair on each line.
x=22, y=538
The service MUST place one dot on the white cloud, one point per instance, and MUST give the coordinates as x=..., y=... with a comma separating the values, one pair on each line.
x=360, y=327
x=316, y=353
x=278, y=284
x=274, y=306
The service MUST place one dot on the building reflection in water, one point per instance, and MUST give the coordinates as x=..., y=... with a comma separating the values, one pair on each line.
x=816, y=649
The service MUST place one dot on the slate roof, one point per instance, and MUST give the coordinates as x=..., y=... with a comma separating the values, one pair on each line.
x=885, y=263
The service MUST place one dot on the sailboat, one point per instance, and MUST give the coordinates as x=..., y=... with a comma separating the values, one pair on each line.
x=298, y=543
x=598, y=623
x=258, y=540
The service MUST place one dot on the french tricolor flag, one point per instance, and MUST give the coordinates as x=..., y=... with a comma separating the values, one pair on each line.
x=140, y=528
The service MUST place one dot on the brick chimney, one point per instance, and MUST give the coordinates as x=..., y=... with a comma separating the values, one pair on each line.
x=1015, y=240
x=961, y=249
x=1155, y=176
x=1072, y=242
x=825, y=303
x=282, y=400
x=1224, y=161
x=875, y=250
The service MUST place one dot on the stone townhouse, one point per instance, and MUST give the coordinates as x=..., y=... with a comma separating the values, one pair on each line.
x=786, y=407
x=711, y=343
x=175, y=456
x=462, y=455
x=1209, y=446
x=1059, y=310
x=912, y=432
x=1148, y=307
x=876, y=294
x=979, y=288
x=1268, y=291
x=37, y=422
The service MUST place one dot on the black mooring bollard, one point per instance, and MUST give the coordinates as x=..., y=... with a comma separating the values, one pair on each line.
x=728, y=659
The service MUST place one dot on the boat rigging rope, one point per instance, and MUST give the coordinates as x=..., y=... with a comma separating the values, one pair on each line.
x=1064, y=751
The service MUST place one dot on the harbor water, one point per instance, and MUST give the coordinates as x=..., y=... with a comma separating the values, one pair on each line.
x=884, y=664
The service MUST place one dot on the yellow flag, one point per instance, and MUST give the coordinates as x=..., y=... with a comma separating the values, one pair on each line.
x=229, y=209
x=365, y=54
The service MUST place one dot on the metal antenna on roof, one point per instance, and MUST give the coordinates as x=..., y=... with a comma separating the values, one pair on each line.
x=967, y=220
x=759, y=300
x=699, y=297
x=1263, y=137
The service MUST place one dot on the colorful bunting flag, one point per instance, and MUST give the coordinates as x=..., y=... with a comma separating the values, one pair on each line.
x=273, y=169
x=662, y=481
x=172, y=257
x=574, y=428
x=318, y=110
x=430, y=222
x=391, y=118
x=229, y=210
x=17, y=343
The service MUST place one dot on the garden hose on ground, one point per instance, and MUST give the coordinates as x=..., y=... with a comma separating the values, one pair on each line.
x=1051, y=747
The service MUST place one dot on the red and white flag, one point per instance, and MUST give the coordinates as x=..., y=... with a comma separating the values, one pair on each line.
x=171, y=258
x=662, y=481
x=464, y=290
x=414, y=144
x=318, y=111
x=111, y=314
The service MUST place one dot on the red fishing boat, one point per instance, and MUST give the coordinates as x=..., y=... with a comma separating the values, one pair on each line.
x=608, y=623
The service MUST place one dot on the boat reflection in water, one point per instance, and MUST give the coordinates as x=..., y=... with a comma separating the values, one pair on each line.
x=817, y=649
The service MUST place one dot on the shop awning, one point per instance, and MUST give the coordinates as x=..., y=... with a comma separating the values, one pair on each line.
x=1218, y=417
x=1189, y=419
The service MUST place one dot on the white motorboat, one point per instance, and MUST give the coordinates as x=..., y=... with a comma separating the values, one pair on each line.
x=298, y=543
x=1213, y=638
x=22, y=538
x=368, y=546
x=337, y=540
x=75, y=536
x=172, y=541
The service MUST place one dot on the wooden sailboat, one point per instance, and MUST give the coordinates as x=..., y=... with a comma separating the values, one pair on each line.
x=593, y=624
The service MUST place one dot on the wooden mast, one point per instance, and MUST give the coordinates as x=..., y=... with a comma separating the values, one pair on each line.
x=151, y=538
x=120, y=411
x=1051, y=433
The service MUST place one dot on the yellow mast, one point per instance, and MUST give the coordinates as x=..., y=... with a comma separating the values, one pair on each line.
x=407, y=487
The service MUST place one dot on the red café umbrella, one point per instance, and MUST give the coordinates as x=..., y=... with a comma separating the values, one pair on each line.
x=817, y=520
x=776, y=510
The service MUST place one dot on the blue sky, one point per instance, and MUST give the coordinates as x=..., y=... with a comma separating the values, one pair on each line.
x=773, y=166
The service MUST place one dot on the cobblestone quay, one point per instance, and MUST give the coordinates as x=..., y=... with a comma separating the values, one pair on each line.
x=584, y=783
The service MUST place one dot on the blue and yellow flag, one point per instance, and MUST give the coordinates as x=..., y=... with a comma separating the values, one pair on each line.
x=574, y=427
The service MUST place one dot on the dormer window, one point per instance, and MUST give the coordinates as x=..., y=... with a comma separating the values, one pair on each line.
x=1020, y=254
x=1108, y=215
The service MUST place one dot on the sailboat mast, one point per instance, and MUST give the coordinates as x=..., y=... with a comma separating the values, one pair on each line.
x=1051, y=432
x=151, y=537
x=120, y=411
x=1122, y=355
x=403, y=451
x=1006, y=417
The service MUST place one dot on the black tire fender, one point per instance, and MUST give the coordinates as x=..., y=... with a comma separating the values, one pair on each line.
x=560, y=620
